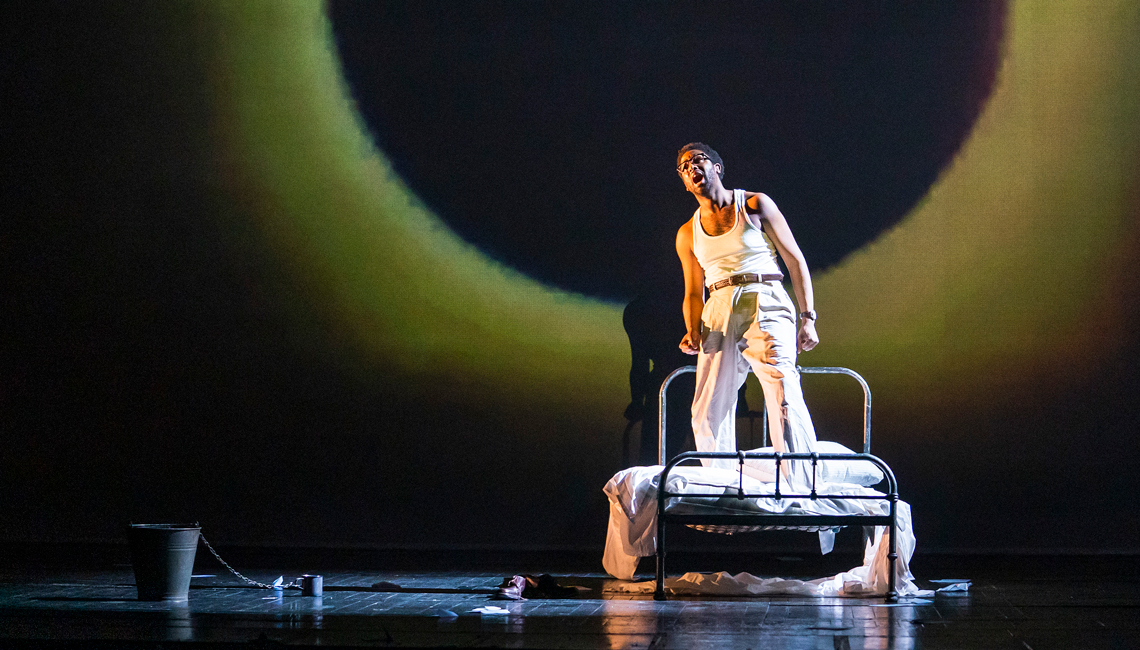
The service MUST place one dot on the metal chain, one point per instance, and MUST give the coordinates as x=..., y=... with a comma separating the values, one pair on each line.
x=291, y=585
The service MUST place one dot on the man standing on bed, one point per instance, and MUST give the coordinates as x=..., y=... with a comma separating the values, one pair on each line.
x=749, y=322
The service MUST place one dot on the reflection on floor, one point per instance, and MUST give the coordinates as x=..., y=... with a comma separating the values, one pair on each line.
x=1020, y=602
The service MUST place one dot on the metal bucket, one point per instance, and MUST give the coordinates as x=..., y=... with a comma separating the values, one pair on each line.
x=163, y=558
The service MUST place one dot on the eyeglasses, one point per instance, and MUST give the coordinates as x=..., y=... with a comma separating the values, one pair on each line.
x=689, y=164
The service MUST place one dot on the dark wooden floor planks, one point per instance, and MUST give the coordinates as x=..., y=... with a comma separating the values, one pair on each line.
x=1017, y=603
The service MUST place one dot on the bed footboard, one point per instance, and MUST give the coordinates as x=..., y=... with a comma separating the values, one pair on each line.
x=767, y=520
x=778, y=520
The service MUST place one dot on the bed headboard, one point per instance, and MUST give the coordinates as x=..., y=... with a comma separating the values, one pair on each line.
x=816, y=370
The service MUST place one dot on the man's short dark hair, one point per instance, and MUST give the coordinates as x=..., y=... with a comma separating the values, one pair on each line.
x=706, y=150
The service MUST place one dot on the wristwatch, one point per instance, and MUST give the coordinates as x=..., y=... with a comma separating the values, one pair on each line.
x=809, y=315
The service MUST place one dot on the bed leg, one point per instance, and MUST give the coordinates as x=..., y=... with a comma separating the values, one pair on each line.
x=659, y=593
x=893, y=556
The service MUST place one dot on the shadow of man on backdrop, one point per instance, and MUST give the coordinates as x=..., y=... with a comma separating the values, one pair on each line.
x=653, y=323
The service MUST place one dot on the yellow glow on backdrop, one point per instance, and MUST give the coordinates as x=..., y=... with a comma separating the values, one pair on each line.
x=1006, y=269
x=1014, y=249
x=407, y=291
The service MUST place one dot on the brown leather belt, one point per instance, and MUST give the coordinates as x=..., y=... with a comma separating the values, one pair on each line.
x=745, y=278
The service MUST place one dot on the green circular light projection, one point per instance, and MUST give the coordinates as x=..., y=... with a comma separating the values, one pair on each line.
x=1006, y=270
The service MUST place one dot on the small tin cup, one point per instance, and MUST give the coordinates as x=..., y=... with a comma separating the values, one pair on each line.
x=312, y=585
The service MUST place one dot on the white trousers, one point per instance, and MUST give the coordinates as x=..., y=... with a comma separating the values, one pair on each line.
x=751, y=327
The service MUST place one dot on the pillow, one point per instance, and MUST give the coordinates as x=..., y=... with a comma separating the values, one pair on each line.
x=858, y=472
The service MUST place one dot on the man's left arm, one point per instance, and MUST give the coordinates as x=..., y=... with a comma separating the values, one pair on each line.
x=776, y=226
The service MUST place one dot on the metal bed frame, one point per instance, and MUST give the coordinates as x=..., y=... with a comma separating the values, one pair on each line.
x=750, y=521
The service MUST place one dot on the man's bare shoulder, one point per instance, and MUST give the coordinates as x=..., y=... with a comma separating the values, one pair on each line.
x=756, y=200
x=685, y=232
x=758, y=206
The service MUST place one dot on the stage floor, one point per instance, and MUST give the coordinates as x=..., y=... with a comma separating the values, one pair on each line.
x=1021, y=602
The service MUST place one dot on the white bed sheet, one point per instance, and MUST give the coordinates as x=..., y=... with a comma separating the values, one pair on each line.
x=632, y=532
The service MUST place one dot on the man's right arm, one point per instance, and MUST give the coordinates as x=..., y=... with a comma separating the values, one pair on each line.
x=694, y=289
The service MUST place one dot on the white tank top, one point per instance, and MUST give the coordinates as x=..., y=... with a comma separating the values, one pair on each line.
x=745, y=248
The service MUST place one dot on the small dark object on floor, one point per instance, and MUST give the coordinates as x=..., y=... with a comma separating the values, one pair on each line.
x=511, y=589
x=521, y=587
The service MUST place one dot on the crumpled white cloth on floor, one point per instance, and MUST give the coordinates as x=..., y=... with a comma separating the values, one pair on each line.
x=633, y=528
